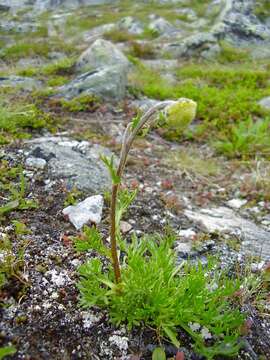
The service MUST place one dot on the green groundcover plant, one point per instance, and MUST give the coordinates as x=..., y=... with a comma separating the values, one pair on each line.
x=148, y=288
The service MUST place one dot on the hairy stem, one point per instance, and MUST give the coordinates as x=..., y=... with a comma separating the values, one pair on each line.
x=128, y=138
x=115, y=261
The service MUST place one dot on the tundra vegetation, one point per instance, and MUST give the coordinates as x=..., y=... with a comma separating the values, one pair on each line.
x=137, y=281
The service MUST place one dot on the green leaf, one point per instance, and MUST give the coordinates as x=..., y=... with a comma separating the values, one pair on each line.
x=135, y=121
x=109, y=163
x=12, y=205
x=159, y=354
x=7, y=350
x=172, y=336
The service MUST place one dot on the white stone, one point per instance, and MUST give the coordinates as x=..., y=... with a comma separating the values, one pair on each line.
x=59, y=279
x=183, y=248
x=37, y=163
x=187, y=233
x=265, y=103
x=89, y=210
x=120, y=341
x=89, y=319
x=255, y=240
x=236, y=203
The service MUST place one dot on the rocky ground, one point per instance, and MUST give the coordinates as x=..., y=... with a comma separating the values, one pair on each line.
x=72, y=76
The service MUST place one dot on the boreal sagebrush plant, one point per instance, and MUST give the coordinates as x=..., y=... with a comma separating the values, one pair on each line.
x=147, y=287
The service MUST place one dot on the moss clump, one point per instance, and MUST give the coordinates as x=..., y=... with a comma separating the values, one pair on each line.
x=18, y=121
x=64, y=66
x=23, y=49
x=116, y=35
x=88, y=103
x=262, y=9
x=226, y=95
x=230, y=54
x=191, y=162
x=142, y=50
x=245, y=139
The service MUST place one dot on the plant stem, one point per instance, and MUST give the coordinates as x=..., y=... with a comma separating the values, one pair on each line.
x=128, y=139
x=115, y=261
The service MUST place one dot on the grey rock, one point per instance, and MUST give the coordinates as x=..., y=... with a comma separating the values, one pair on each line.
x=161, y=26
x=144, y=104
x=77, y=163
x=24, y=83
x=265, y=103
x=89, y=210
x=255, y=240
x=161, y=64
x=189, y=14
x=131, y=25
x=260, y=52
x=201, y=44
x=43, y=5
x=238, y=24
x=101, y=54
x=17, y=27
x=97, y=32
x=34, y=162
x=183, y=248
x=236, y=203
x=109, y=83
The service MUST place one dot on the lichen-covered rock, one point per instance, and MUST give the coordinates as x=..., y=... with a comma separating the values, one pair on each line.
x=108, y=83
x=238, y=24
x=21, y=82
x=101, y=54
x=255, y=240
x=265, y=103
x=200, y=44
x=131, y=25
x=43, y=5
x=161, y=26
x=77, y=163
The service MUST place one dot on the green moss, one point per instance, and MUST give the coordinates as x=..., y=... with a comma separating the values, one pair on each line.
x=118, y=36
x=29, y=72
x=18, y=121
x=23, y=49
x=191, y=162
x=142, y=50
x=262, y=9
x=64, y=66
x=57, y=81
x=226, y=95
x=230, y=54
x=81, y=103
x=247, y=138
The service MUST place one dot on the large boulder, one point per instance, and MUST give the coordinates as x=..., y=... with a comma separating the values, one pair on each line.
x=44, y=5
x=104, y=73
x=238, y=24
x=76, y=163
x=131, y=25
x=201, y=44
x=161, y=26
x=255, y=240
x=101, y=54
x=20, y=82
x=108, y=83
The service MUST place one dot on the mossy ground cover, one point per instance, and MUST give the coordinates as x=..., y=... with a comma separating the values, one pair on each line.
x=227, y=97
x=105, y=14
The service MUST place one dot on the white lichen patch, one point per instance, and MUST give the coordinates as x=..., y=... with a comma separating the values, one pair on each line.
x=89, y=319
x=58, y=278
x=120, y=341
